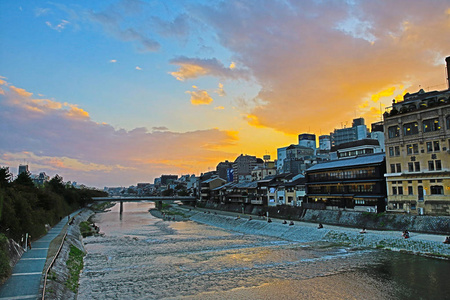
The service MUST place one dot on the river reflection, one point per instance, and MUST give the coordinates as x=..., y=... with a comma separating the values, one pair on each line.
x=142, y=257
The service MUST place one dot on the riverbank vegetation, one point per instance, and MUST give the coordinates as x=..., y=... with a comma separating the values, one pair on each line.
x=75, y=265
x=5, y=269
x=27, y=208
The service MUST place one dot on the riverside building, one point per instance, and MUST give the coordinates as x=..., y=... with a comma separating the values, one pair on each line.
x=417, y=140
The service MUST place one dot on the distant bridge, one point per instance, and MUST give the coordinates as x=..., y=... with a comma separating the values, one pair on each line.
x=157, y=199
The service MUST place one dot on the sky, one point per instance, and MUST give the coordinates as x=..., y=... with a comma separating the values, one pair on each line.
x=112, y=93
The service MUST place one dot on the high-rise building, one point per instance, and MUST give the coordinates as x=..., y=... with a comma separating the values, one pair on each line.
x=307, y=140
x=23, y=169
x=243, y=167
x=417, y=139
x=324, y=142
x=358, y=131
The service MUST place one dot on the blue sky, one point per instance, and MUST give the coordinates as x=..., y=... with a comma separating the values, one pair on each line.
x=124, y=91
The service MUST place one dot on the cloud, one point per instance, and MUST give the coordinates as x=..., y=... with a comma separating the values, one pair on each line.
x=316, y=61
x=113, y=61
x=58, y=137
x=200, y=97
x=59, y=27
x=116, y=20
x=219, y=108
x=138, y=68
x=160, y=128
x=220, y=91
x=190, y=68
x=41, y=11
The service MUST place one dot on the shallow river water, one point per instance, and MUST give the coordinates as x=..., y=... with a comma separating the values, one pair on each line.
x=143, y=257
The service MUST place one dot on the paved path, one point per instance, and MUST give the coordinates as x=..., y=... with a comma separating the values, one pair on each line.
x=26, y=275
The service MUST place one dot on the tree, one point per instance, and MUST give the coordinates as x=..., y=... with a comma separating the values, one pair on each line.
x=56, y=184
x=5, y=177
x=24, y=179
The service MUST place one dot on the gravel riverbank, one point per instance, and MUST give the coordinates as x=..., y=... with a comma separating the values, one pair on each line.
x=418, y=243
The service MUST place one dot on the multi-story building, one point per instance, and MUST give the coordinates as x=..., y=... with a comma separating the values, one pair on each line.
x=355, y=148
x=223, y=168
x=298, y=159
x=23, y=169
x=267, y=169
x=324, y=142
x=358, y=131
x=243, y=166
x=307, y=140
x=355, y=183
x=417, y=133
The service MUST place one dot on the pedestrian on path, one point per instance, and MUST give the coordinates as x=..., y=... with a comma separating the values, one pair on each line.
x=29, y=242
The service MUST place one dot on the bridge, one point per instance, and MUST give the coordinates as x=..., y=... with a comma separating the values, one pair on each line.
x=157, y=199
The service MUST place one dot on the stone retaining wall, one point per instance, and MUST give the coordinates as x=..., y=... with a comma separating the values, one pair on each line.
x=385, y=221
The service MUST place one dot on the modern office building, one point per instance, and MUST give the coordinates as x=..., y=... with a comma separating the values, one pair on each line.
x=23, y=169
x=358, y=131
x=307, y=140
x=417, y=137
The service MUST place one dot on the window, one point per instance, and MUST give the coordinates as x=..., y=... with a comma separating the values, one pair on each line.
x=410, y=167
x=429, y=147
x=438, y=164
x=392, y=168
x=431, y=125
x=436, y=190
x=393, y=132
x=409, y=149
x=417, y=166
x=400, y=190
x=394, y=190
x=410, y=190
x=399, y=167
x=410, y=128
x=415, y=148
x=397, y=150
x=391, y=151
x=430, y=165
x=447, y=120
x=436, y=146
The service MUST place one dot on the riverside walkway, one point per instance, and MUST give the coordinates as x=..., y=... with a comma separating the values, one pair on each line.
x=26, y=275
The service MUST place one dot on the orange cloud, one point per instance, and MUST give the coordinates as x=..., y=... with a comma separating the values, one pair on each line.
x=20, y=92
x=253, y=121
x=385, y=93
x=200, y=97
x=187, y=71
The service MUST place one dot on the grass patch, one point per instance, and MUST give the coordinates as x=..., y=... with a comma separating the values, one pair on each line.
x=86, y=229
x=75, y=265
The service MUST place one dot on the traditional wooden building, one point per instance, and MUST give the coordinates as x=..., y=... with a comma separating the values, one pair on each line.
x=356, y=183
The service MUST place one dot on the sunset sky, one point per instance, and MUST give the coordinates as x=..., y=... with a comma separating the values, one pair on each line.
x=112, y=93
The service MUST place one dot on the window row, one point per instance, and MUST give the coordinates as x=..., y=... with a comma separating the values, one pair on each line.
x=434, y=190
x=337, y=189
x=412, y=128
x=433, y=165
x=348, y=174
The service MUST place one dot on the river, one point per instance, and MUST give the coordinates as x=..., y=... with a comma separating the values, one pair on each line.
x=142, y=257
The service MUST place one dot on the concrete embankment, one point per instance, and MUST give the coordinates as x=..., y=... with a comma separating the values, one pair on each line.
x=418, y=243
x=56, y=282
